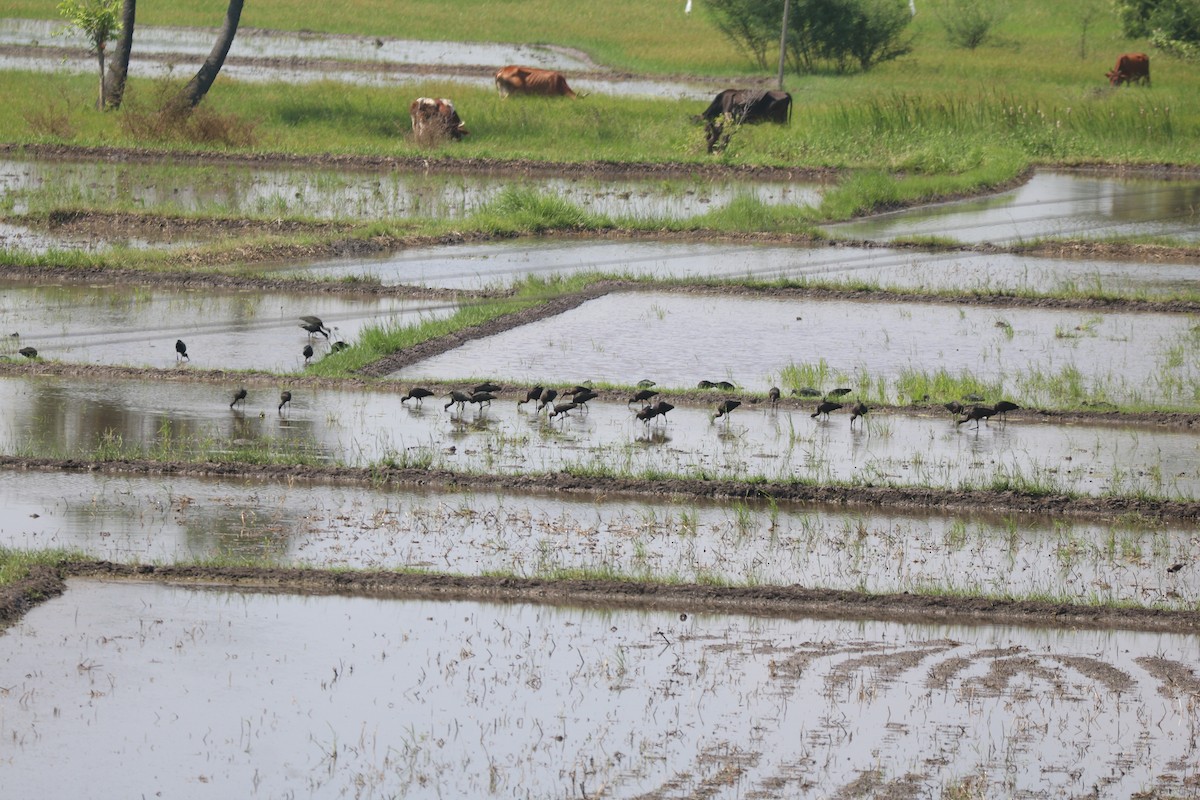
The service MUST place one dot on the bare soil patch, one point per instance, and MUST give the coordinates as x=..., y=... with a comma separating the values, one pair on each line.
x=16, y=598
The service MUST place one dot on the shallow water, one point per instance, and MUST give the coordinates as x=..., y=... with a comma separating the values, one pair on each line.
x=20, y=238
x=164, y=519
x=1050, y=204
x=195, y=43
x=72, y=418
x=136, y=326
x=151, y=689
x=493, y=264
x=339, y=193
x=259, y=43
x=678, y=340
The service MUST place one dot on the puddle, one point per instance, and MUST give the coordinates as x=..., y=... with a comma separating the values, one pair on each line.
x=153, y=689
x=137, y=326
x=262, y=56
x=165, y=519
x=475, y=266
x=1051, y=204
x=339, y=193
x=30, y=240
x=678, y=340
x=73, y=418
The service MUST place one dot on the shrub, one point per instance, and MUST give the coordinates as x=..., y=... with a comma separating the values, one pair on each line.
x=969, y=23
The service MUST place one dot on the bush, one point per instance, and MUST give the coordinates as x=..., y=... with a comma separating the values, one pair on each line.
x=165, y=119
x=832, y=33
x=969, y=23
x=1172, y=25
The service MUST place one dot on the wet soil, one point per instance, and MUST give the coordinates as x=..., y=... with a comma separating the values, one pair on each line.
x=775, y=601
x=900, y=498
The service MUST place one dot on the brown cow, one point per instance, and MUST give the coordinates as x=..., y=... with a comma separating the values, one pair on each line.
x=434, y=118
x=531, y=80
x=1131, y=68
x=750, y=105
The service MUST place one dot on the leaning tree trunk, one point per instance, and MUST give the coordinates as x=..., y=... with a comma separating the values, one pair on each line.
x=100, y=60
x=118, y=67
x=198, y=86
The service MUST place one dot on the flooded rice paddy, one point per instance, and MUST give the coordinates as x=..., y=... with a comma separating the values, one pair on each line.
x=1051, y=205
x=153, y=689
x=304, y=57
x=70, y=418
x=497, y=264
x=165, y=519
x=679, y=340
x=341, y=193
x=137, y=326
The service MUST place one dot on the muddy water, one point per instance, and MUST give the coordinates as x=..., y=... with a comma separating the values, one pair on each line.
x=1051, y=204
x=70, y=418
x=348, y=194
x=19, y=238
x=476, y=266
x=150, y=689
x=222, y=329
x=678, y=340
x=166, y=519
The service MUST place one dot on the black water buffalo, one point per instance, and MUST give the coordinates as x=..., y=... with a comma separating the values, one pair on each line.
x=751, y=105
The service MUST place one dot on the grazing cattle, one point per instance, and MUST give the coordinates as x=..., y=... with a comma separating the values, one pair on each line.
x=1131, y=68
x=531, y=80
x=749, y=105
x=435, y=118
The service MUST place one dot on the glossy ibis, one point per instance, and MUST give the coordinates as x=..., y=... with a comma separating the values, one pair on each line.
x=773, y=396
x=285, y=397
x=954, y=407
x=314, y=328
x=181, y=351
x=534, y=395
x=488, y=386
x=239, y=397
x=418, y=393
x=726, y=385
x=977, y=413
x=338, y=346
x=642, y=396
x=1003, y=407
x=563, y=408
x=806, y=391
x=725, y=408
x=645, y=383
x=547, y=399
x=840, y=392
x=458, y=398
x=824, y=408
x=860, y=410
x=481, y=398
x=661, y=408
x=646, y=413
x=581, y=398
x=308, y=352
x=706, y=385
x=28, y=352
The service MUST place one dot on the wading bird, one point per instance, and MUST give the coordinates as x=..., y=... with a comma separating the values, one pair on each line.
x=645, y=383
x=806, y=391
x=239, y=397
x=954, y=407
x=642, y=396
x=482, y=397
x=285, y=397
x=841, y=392
x=1003, y=407
x=308, y=352
x=563, y=408
x=338, y=346
x=860, y=410
x=28, y=352
x=418, y=393
x=977, y=413
x=824, y=408
x=314, y=327
x=181, y=351
x=459, y=398
x=725, y=408
x=773, y=396
x=661, y=408
x=547, y=399
x=581, y=398
x=487, y=386
x=533, y=395
x=706, y=385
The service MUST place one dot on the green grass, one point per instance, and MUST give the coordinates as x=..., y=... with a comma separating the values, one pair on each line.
x=16, y=564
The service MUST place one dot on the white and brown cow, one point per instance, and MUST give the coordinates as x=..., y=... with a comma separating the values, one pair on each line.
x=434, y=119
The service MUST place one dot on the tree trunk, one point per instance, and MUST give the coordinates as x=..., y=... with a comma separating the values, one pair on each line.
x=198, y=86
x=100, y=60
x=118, y=67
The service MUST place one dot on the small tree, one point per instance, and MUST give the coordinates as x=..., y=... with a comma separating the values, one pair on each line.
x=969, y=23
x=98, y=21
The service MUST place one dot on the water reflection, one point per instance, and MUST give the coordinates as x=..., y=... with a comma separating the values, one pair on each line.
x=341, y=193
x=1051, y=205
